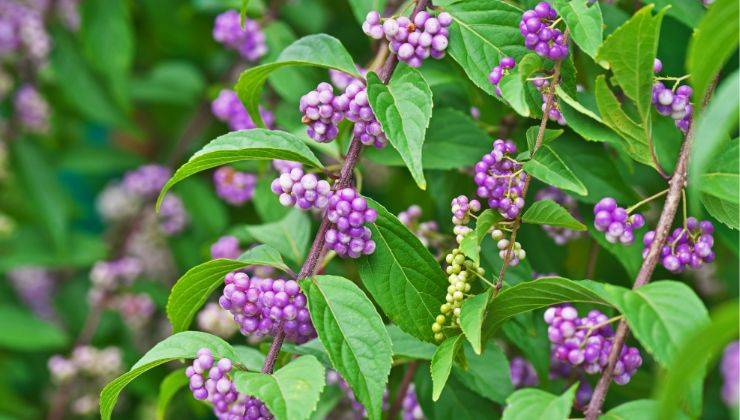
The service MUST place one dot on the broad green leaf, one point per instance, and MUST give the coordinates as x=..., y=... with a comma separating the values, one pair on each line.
x=470, y=245
x=529, y=334
x=457, y=401
x=402, y=276
x=471, y=318
x=170, y=385
x=548, y=136
x=634, y=134
x=266, y=203
x=661, y=315
x=714, y=126
x=487, y=374
x=713, y=43
x=363, y=356
x=629, y=52
x=289, y=82
x=637, y=409
x=249, y=357
x=182, y=345
x=483, y=32
x=548, y=212
x=23, y=332
x=403, y=107
x=724, y=186
x=515, y=88
x=314, y=50
x=703, y=346
x=312, y=348
x=170, y=82
x=585, y=121
x=291, y=393
x=254, y=144
x=549, y=168
x=531, y=403
x=289, y=236
x=689, y=13
x=30, y=246
x=202, y=204
x=724, y=211
x=453, y=140
x=584, y=20
x=360, y=8
x=536, y=294
x=193, y=289
x=442, y=362
x=406, y=345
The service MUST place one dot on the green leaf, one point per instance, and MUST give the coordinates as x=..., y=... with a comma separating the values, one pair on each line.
x=536, y=294
x=453, y=140
x=289, y=236
x=312, y=348
x=182, y=345
x=173, y=382
x=403, y=108
x=243, y=12
x=585, y=121
x=630, y=257
x=637, y=409
x=688, y=12
x=629, y=52
x=289, y=82
x=23, y=332
x=661, y=315
x=402, y=276
x=406, y=345
x=713, y=43
x=549, y=168
x=170, y=82
x=193, y=289
x=266, y=203
x=360, y=8
x=724, y=186
x=249, y=357
x=483, y=32
x=254, y=144
x=471, y=318
x=314, y=50
x=457, y=401
x=515, y=88
x=584, y=21
x=488, y=373
x=548, y=212
x=442, y=362
x=724, y=211
x=529, y=334
x=291, y=393
x=362, y=356
x=702, y=347
x=530, y=403
x=470, y=245
x=548, y=136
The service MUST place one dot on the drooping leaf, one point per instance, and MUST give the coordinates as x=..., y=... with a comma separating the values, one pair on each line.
x=182, y=345
x=548, y=136
x=170, y=385
x=548, y=212
x=193, y=289
x=547, y=166
x=487, y=374
x=472, y=314
x=406, y=345
x=515, y=88
x=442, y=362
x=585, y=121
x=24, y=332
x=402, y=276
x=584, y=21
x=314, y=50
x=403, y=107
x=291, y=393
x=724, y=211
x=531, y=403
x=363, y=356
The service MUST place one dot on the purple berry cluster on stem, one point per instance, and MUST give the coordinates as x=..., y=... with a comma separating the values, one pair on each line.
x=31, y=109
x=348, y=212
x=260, y=305
x=211, y=381
x=504, y=244
x=543, y=85
x=560, y=235
x=228, y=108
x=687, y=247
x=411, y=40
x=226, y=247
x=35, y=287
x=248, y=41
x=341, y=80
x=233, y=186
x=730, y=369
x=410, y=407
x=675, y=103
x=301, y=190
x=522, y=373
x=322, y=111
x=172, y=215
x=586, y=342
x=367, y=128
x=500, y=179
x=540, y=35
x=147, y=180
x=616, y=221
x=462, y=208
x=498, y=72
x=425, y=231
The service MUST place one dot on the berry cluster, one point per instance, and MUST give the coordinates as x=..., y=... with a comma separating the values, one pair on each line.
x=211, y=381
x=301, y=190
x=281, y=165
x=35, y=287
x=136, y=309
x=522, y=373
x=560, y=235
x=586, y=342
x=503, y=244
x=248, y=41
x=462, y=208
x=322, y=112
x=410, y=407
x=259, y=305
x=675, y=103
x=506, y=64
x=425, y=231
x=216, y=320
x=348, y=212
x=459, y=273
x=500, y=179
x=110, y=276
x=367, y=128
x=689, y=246
x=172, y=215
x=22, y=32
x=616, y=221
x=341, y=80
x=730, y=369
x=233, y=186
x=540, y=36
x=31, y=109
x=228, y=108
x=146, y=181
x=413, y=41
x=226, y=247
x=543, y=85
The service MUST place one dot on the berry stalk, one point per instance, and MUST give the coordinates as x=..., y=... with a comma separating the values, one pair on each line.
x=345, y=177
x=675, y=191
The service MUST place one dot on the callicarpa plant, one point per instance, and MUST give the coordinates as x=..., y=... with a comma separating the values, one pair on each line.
x=422, y=209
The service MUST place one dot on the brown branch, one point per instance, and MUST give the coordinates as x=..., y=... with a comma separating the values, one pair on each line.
x=345, y=178
x=403, y=388
x=675, y=192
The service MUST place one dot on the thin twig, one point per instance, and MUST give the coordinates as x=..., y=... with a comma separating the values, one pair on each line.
x=403, y=389
x=675, y=190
